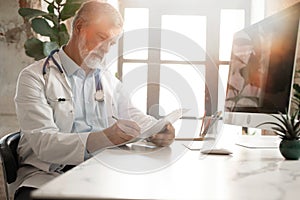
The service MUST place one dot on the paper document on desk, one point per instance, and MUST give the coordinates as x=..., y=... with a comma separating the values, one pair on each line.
x=160, y=125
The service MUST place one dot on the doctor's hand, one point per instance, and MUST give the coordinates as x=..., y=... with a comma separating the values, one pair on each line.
x=164, y=138
x=120, y=132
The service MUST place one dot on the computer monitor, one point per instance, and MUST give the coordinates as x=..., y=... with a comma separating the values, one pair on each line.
x=264, y=58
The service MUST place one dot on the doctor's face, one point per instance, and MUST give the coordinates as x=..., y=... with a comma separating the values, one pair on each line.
x=95, y=40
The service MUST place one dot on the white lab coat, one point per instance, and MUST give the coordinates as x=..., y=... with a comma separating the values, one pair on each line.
x=46, y=123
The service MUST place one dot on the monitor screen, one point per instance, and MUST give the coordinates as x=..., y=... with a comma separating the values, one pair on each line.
x=262, y=69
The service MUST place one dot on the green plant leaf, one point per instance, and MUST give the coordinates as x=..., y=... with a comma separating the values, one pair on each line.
x=63, y=28
x=58, y=1
x=34, y=48
x=297, y=128
x=288, y=125
x=63, y=38
x=29, y=13
x=48, y=47
x=296, y=87
x=279, y=127
x=294, y=117
x=296, y=101
x=50, y=8
x=75, y=1
x=41, y=26
x=297, y=95
x=63, y=35
x=278, y=132
x=279, y=119
x=70, y=8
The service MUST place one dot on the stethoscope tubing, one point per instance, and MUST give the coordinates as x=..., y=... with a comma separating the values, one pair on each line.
x=46, y=63
x=54, y=61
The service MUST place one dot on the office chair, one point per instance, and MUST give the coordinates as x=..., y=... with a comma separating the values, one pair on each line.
x=9, y=157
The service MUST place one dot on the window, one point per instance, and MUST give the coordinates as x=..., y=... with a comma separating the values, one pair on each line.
x=231, y=21
x=135, y=79
x=177, y=78
x=179, y=81
x=135, y=43
x=178, y=47
x=194, y=30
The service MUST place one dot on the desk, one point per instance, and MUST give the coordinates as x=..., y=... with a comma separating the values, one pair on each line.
x=178, y=173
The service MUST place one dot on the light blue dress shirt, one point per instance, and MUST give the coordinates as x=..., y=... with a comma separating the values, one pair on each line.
x=90, y=115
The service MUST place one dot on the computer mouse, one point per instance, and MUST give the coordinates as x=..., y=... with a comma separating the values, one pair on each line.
x=219, y=151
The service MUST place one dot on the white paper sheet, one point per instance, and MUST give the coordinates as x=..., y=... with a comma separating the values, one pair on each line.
x=159, y=125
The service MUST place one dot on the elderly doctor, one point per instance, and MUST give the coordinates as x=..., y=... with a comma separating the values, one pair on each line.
x=65, y=103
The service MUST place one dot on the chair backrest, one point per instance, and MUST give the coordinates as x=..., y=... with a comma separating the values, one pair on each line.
x=8, y=151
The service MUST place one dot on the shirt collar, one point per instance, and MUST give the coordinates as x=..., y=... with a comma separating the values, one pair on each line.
x=69, y=65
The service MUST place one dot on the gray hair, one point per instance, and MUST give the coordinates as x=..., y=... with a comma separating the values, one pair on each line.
x=92, y=9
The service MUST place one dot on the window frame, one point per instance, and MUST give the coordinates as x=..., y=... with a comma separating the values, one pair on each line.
x=212, y=10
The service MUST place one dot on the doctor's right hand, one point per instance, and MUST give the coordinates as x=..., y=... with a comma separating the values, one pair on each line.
x=120, y=132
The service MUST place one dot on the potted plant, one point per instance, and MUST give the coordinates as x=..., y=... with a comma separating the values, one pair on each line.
x=288, y=129
x=50, y=24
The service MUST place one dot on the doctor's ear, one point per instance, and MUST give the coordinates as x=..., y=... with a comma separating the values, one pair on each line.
x=78, y=25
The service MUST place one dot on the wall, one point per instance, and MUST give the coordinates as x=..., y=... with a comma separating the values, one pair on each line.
x=13, y=58
x=13, y=34
x=273, y=6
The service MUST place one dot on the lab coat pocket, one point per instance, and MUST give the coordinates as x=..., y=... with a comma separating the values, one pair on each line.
x=56, y=102
x=63, y=113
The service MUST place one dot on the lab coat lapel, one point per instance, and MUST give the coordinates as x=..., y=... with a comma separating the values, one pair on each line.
x=58, y=87
x=109, y=99
x=61, y=77
x=64, y=82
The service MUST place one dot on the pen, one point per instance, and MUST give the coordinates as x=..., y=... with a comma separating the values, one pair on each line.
x=203, y=119
x=206, y=126
x=212, y=120
x=114, y=118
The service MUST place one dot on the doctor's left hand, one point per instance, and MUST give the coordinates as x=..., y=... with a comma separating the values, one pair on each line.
x=164, y=138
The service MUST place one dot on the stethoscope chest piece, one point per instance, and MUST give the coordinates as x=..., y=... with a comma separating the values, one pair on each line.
x=99, y=95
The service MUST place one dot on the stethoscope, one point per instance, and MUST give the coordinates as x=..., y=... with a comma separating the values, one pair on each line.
x=99, y=94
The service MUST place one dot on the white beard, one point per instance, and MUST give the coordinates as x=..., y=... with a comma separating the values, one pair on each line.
x=94, y=61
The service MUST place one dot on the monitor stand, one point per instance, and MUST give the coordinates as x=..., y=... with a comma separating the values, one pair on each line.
x=261, y=142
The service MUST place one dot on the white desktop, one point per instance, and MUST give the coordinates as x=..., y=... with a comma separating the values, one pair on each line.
x=181, y=171
x=177, y=173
